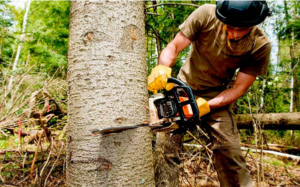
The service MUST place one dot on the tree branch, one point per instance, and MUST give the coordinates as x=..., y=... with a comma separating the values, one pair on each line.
x=180, y=4
x=154, y=14
x=156, y=34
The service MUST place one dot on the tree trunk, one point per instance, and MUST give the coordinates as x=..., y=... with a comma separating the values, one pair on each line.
x=20, y=46
x=108, y=87
x=296, y=58
x=294, y=86
x=167, y=159
x=272, y=121
x=158, y=45
x=2, y=41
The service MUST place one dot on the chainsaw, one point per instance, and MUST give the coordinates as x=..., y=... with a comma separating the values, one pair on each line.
x=171, y=110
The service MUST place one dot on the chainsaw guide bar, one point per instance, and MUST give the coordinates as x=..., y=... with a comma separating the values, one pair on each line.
x=166, y=126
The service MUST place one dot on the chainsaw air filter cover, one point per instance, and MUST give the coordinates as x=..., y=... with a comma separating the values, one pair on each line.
x=166, y=108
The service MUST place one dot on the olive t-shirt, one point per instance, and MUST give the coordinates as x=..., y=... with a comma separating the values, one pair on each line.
x=213, y=60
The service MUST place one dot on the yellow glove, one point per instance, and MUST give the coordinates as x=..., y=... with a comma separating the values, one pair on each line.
x=158, y=79
x=202, y=106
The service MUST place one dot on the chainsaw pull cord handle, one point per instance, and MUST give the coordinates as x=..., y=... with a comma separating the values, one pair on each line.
x=191, y=100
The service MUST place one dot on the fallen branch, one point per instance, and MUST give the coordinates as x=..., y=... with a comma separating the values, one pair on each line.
x=275, y=147
x=207, y=149
x=254, y=150
x=193, y=145
x=34, y=158
x=10, y=125
x=297, y=158
x=3, y=152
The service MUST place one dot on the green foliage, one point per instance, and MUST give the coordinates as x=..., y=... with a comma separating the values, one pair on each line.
x=48, y=30
x=7, y=17
x=53, y=120
x=293, y=28
x=7, y=155
x=6, y=14
x=3, y=142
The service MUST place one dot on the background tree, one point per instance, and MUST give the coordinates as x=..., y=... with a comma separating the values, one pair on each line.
x=14, y=66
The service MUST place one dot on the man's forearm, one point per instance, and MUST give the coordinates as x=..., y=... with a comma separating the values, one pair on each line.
x=242, y=83
x=168, y=56
x=225, y=98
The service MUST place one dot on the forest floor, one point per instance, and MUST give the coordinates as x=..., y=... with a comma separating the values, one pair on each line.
x=197, y=170
x=47, y=167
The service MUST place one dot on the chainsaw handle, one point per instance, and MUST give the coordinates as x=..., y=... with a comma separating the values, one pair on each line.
x=176, y=81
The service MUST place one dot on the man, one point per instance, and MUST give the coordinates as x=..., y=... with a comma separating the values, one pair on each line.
x=224, y=38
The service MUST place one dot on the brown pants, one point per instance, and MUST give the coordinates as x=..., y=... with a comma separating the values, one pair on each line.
x=228, y=159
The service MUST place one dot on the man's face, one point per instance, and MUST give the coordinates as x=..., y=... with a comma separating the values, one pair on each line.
x=236, y=33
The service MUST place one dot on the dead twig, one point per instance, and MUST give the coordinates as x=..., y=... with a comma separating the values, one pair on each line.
x=199, y=142
x=283, y=182
x=45, y=184
x=25, y=178
x=34, y=158
x=7, y=94
x=46, y=163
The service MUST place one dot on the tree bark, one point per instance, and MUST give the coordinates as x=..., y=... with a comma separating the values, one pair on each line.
x=272, y=121
x=108, y=87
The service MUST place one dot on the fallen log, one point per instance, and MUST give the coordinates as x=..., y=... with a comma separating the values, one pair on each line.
x=271, y=121
x=293, y=157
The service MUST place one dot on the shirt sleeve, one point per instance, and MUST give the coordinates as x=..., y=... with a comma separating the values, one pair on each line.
x=257, y=64
x=193, y=25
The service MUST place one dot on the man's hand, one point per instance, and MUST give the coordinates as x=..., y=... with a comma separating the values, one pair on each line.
x=202, y=106
x=158, y=79
x=159, y=75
